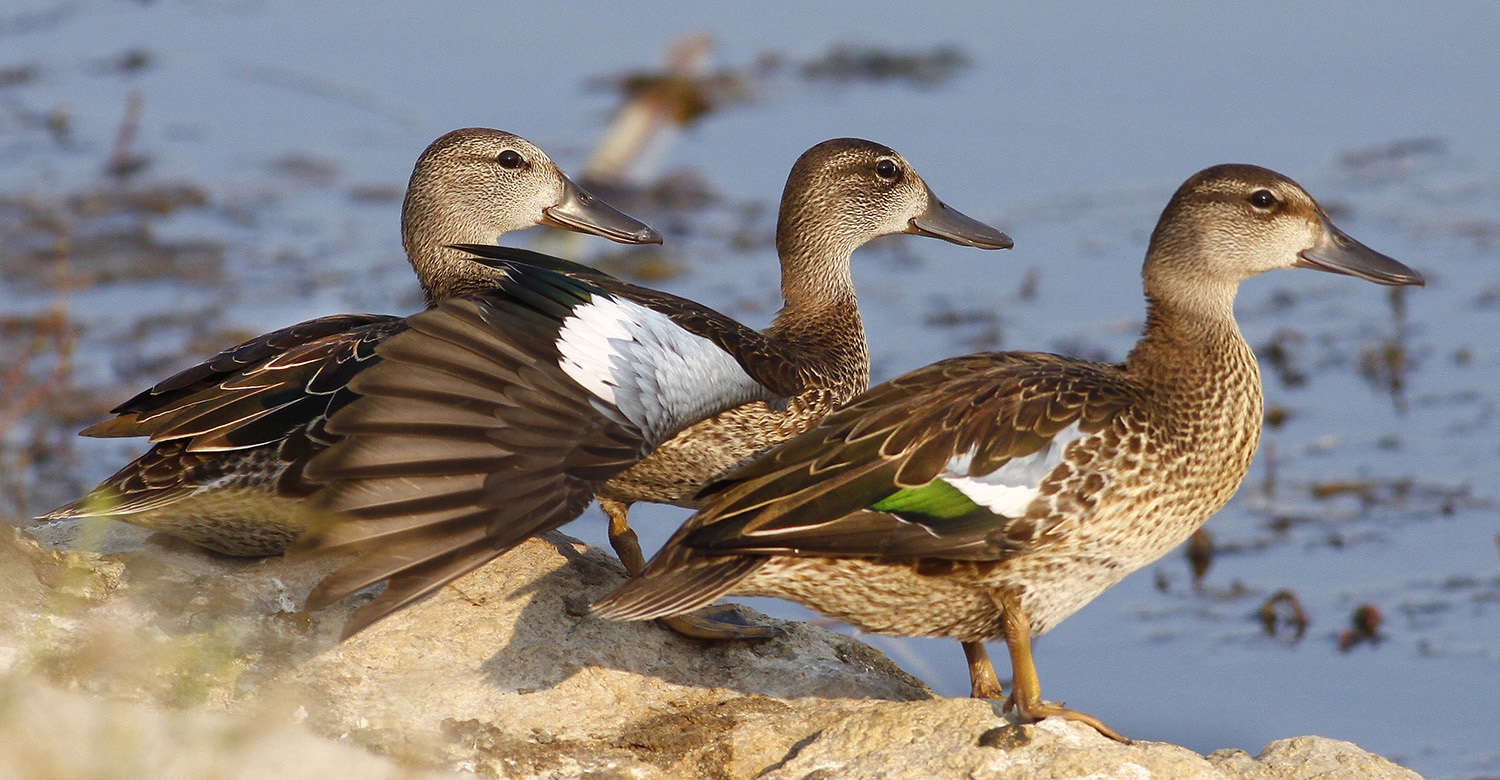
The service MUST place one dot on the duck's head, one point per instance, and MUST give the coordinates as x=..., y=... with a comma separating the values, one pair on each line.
x=844, y=192
x=1231, y=222
x=473, y=185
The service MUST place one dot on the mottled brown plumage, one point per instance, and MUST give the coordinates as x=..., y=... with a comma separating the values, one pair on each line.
x=231, y=435
x=824, y=321
x=452, y=486
x=991, y=496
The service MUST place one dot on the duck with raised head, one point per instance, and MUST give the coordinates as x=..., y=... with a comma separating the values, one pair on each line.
x=499, y=417
x=991, y=496
x=231, y=436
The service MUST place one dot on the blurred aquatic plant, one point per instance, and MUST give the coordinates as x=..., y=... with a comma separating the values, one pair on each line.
x=1386, y=364
x=1364, y=628
x=655, y=104
x=1397, y=160
x=1282, y=617
x=1282, y=353
x=17, y=75
x=846, y=63
x=1200, y=555
x=125, y=161
x=38, y=375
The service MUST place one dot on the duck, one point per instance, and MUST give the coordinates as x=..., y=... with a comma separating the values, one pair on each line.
x=232, y=435
x=499, y=417
x=992, y=495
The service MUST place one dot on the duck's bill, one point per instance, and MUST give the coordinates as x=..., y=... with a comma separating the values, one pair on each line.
x=1340, y=254
x=580, y=210
x=939, y=221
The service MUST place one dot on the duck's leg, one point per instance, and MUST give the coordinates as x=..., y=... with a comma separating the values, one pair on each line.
x=1026, y=689
x=985, y=684
x=622, y=538
x=717, y=622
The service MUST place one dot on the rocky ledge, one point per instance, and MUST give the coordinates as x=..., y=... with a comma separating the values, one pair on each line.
x=161, y=661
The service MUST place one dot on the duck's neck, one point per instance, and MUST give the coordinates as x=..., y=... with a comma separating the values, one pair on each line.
x=1200, y=395
x=428, y=227
x=820, y=318
x=444, y=272
x=1192, y=351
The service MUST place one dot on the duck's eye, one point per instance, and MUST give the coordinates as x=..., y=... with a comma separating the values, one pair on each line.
x=511, y=159
x=1262, y=199
x=887, y=170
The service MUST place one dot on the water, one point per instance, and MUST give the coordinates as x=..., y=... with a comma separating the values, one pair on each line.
x=1070, y=130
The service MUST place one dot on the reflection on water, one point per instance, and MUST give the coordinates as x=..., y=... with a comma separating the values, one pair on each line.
x=181, y=174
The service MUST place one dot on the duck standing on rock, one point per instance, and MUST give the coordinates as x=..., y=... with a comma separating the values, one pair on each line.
x=498, y=417
x=231, y=436
x=991, y=496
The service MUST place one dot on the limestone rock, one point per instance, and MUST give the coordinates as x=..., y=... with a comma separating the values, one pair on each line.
x=503, y=675
x=1310, y=758
x=965, y=738
x=46, y=732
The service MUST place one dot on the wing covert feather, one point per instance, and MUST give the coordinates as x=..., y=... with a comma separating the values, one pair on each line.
x=811, y=495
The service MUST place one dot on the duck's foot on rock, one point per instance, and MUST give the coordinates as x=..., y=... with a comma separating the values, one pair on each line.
x=1036, y=711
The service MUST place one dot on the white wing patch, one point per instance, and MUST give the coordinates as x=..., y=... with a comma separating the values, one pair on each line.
x=1010, y=489
x=661, y=377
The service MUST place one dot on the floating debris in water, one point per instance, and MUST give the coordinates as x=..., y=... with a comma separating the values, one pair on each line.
x=1385, y=365
x=36, y=381
x=1268, y=455
x=657, y=103
x=127, y=62
x=36, y=20
x=1413, y=496
x=16, y=75
x=683, y=190
x=648, y=267
x=947, y=316
x=1281, y=354
x=104, y=235
x=846, y=63
x=1402, y=160
x=1200, y=555
x=1364, y=627
x=376, y=193
x=1031, y=284
x=1396, y=156
x=305, y=169
x=654, y=103
x=157, y=199
x=1282, y=613
x=125, y=161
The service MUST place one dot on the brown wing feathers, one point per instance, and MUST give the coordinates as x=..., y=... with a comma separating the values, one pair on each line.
x=810, y=495
x=483, y=443
x=148, y=412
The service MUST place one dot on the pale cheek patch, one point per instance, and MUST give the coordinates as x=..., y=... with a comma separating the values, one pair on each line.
x=1010, y=489
x=661, y=377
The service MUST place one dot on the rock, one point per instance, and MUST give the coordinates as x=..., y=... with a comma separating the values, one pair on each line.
x=503, y=675
x=60, y=735
x=966, y=738
x=1311, y=758
x=508, y=672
